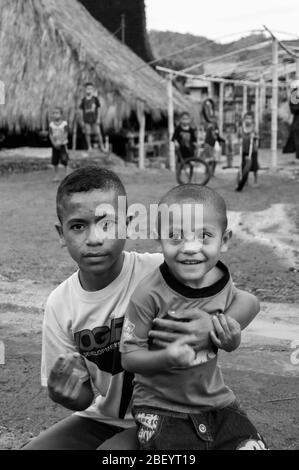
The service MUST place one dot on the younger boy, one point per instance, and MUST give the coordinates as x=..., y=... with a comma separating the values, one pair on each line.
x=58, y=134
x=90, y=107
x=180, y=400
x=85, y=314
x=185, y=137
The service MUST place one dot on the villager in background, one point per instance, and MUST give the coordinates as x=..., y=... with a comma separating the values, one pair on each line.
x=58, y=134
x=185, y=137
x=212, y=141
x=249, y=149
x=292, y=145
x=90, y=108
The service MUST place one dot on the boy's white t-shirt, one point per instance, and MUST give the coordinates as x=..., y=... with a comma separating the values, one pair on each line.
x=91, y=323
x=59, y=132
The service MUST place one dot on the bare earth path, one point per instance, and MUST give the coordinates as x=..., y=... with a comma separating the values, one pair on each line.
x=263, y=259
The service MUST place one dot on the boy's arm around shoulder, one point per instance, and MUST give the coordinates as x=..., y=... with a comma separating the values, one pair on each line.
x=63, y=369
x=228, y=326
x=244, y=308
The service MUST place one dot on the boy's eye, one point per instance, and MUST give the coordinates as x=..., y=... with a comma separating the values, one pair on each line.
x=77, y=227
x=107, y=225
x=206, y=236
x=176, y=236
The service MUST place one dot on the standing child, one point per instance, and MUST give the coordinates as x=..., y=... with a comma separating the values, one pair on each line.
x=249, y=152
x=180, y=400
x=58, y=134
x=90, y=108
x=185, y=137
x=212, y=140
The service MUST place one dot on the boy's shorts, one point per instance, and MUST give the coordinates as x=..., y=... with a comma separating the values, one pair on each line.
x=60, y=155
x=91, y=129
x=219, y=429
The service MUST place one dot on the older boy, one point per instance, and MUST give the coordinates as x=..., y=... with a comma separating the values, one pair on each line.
x=179, y=388
x=90, y=108
x=84, y=317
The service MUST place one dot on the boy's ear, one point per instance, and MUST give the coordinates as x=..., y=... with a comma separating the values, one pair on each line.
x=225, y=240
x=59, y=230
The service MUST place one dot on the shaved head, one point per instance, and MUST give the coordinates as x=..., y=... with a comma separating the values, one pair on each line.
x=195, y=194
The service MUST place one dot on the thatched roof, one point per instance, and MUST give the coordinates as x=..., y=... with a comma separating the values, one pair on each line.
x=50, y=48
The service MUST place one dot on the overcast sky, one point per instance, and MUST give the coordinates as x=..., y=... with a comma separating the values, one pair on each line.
x=216, y=19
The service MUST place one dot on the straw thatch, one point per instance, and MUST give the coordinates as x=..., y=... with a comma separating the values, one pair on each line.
x=50, y=48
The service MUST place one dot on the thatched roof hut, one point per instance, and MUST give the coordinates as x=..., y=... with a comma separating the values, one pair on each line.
x=50, y=48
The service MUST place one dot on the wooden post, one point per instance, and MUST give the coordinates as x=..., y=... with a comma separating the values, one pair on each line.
x=297, y=68
x=245, y=102
x=221, y=106
x=123, y=28
x=256, y=109
x=172, y=163
x=262, y=99
x=274, y=119
x=142, y=124
x=74, y=133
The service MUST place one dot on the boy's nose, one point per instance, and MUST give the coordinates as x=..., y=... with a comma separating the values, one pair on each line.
x=192, y=246
x=95, y=237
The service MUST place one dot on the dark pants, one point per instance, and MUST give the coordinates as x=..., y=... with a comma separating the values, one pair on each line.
x=248, y=165
x=60, y=155
x=76, y=433
x=221, y=429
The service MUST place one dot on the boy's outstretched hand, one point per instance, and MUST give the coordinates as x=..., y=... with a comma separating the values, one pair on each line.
x=226, y=334
x=67, y=383
x=180, y=353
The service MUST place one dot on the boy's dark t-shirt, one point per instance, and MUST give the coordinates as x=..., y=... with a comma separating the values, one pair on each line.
x=90, y=108
x=186, y=139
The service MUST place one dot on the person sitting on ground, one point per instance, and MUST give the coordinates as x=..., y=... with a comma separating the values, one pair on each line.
x=58, y=134
x=185, y=137
x=180, y=400
x=81, y=362
x=91, y=117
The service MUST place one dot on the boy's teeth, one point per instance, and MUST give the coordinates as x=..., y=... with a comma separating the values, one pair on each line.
x=190, y=262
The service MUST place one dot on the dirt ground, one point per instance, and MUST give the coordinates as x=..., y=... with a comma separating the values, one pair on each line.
x=264, y=259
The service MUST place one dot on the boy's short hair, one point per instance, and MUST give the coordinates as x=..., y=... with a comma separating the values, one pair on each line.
x=58, y=108
x=86, y=179
x=87, y=84
x=199, y=195
x=248, y=114
x=185, y=113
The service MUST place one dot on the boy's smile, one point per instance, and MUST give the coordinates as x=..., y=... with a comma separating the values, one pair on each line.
x=85, y=232
x=192, y=257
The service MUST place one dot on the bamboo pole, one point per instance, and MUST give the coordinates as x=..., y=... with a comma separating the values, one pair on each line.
x=221, y=106
x=74, y=133
x=172, y=162
x=245, y=102
x=274, y=119
x=262, y=99
x=123, y=28
x=174, y=73
x=297, y=68
x=141, y=147
x=256, y=109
